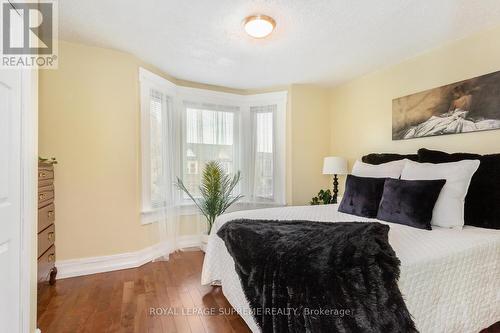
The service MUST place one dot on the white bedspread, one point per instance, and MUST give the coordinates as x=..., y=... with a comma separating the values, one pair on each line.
x=450, y=279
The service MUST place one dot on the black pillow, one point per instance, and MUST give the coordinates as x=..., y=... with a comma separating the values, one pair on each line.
x=362, y=196
x=409, y=202
x=377, y=159
x=482, y=208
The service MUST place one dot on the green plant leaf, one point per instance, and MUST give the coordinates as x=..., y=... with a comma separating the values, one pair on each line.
x=216, y=191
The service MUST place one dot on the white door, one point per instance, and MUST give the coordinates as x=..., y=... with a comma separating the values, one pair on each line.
x=10, y=199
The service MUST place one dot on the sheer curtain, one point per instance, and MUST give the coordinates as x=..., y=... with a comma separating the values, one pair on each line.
x=210, y=134
x=262, y=161
x=163, y=145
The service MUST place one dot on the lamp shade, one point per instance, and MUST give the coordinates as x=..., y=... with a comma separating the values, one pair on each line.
x=334, y=165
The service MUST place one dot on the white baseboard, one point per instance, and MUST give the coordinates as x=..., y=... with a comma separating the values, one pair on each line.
x=93, y=265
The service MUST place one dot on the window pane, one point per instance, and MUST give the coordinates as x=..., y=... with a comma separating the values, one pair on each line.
x=209, y=127
x=157, y=120
x=209, y=136
x=264, y=160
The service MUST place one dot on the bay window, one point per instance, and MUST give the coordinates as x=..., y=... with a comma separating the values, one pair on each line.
x=184, y=128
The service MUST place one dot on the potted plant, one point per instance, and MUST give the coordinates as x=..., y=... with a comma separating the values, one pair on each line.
x=324, y=198
x=216, y=193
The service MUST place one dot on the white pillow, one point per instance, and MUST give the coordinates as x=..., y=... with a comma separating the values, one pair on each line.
x=449, y=209
x=385, y=170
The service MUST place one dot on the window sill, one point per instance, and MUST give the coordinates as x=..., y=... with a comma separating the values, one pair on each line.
x=190, y=209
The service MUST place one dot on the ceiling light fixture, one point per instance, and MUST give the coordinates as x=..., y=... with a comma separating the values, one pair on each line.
x=259, y=26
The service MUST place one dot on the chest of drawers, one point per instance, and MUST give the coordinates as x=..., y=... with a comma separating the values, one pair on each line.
x=46, y=224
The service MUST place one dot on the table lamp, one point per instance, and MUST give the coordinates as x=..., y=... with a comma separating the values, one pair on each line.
x=334, y=165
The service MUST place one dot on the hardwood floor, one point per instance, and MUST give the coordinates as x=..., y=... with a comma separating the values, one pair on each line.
x=120, y=301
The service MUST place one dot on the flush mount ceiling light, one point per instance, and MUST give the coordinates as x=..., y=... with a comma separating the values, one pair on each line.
x=259, y=26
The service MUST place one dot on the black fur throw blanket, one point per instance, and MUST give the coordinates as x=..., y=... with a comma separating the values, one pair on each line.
x=303, y=276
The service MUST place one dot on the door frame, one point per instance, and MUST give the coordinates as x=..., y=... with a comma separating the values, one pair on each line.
x=29, y=202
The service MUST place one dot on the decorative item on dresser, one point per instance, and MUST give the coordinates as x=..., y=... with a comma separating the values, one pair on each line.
x=334, y=165
x=46, y=218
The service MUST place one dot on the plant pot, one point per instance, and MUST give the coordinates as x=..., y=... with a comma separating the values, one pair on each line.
x=203, y=242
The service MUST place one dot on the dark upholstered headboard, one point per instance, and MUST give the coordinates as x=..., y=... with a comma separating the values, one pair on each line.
x=481, y=204
x=376, y=158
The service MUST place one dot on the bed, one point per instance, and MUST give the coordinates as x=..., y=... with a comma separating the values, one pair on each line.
x=450, y=279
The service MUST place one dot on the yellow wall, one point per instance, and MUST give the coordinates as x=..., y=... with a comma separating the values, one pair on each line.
x=361, y=110
x=309, y=142
x=89, y=114
x=89, y=120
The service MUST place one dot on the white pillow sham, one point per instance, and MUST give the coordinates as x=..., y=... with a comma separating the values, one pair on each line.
x=384, y=170
x=449, y=209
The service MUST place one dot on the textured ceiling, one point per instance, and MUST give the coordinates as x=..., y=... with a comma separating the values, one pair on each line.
x=320, y=41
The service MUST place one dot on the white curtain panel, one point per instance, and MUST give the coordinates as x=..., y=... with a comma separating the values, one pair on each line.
x=164, y=143
x=261, y=171
x=210, y=134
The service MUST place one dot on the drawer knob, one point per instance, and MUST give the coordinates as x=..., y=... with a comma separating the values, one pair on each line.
x=51, y=257
x=50, y=236
x=42, y=174
x=50, y=213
